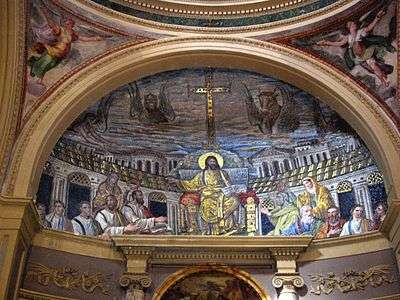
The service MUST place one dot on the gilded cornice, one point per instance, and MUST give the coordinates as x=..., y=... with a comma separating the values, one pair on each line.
x=71, y=243
x=259, y=56
x=345, y=246
x=213, y=9
x=12, y=55
x=212, y=242
x=171, y=250
x=250, y=30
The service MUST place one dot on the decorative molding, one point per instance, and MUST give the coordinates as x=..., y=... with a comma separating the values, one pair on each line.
x=219, y=9
x=321, y=249
x=132, y=250
x=286, y=253
x=166, y=250
x=391, y=297
x=12, y=71
x=166, y=254
x=234, y=257
x=352, y=280
x=20, y=215
x=212, y=242
x=25, y=294
x=281, y=25
x=68, y=278
x=74, y=244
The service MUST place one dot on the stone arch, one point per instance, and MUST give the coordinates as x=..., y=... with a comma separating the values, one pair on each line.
x=75, y=94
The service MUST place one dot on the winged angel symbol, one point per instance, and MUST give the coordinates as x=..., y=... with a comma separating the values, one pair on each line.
x=152, y=108
x=274, y=102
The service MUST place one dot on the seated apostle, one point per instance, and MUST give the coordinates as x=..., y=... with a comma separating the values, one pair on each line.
x=306, y=224
x=134, y=212
x=112, y=222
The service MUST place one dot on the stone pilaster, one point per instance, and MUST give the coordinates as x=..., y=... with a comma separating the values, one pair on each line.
x=136, y=279
x=391, y=227
x=287, y=279
x=18, y=225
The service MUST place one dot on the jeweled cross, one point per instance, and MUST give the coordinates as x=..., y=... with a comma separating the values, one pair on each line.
x=209, y=90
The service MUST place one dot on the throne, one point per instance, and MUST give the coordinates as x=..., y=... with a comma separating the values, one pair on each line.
x=190, y=221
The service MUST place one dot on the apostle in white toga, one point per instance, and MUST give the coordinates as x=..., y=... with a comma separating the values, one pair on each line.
x=84, y=224
x=112, y=222
x=57, y=219
x=134, y=212
x=357, y=224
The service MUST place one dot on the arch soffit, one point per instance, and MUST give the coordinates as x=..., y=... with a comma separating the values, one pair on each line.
x=84, y=88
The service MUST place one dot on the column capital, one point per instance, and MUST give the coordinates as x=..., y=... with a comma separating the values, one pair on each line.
x=289, y=283
x=137, y=281
x=280, y=280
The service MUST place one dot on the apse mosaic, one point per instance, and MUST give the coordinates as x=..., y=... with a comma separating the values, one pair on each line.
x=366, y=47
x=211, y=152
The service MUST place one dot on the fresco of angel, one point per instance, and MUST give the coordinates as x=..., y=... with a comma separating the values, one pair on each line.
x=365, y=48
x=273, y=103
x=152, y=108
x=53, y=41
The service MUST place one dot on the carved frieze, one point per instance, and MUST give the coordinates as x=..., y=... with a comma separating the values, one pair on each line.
x=352, y=280
x=69, y=278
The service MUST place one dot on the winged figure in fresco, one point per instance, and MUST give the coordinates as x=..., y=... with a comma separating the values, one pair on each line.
x=151, y=109
x=365, y=48
x=273, y=105
x=52, y=38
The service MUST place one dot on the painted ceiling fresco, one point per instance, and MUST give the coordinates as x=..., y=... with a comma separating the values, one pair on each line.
x=211, y=152
x=61, y=41
x=364, y=46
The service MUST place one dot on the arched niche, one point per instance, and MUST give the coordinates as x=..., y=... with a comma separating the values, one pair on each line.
x=132, y=62
x=230, y=278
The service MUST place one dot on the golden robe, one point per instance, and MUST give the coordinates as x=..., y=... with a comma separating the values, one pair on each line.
x=216, y=207
x=320, y=201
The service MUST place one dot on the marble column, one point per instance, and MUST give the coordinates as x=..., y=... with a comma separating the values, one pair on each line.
x=60, y=188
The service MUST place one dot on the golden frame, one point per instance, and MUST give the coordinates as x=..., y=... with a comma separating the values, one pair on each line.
x=181, y=274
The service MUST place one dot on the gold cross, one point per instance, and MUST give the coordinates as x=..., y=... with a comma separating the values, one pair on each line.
x=208, y=89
